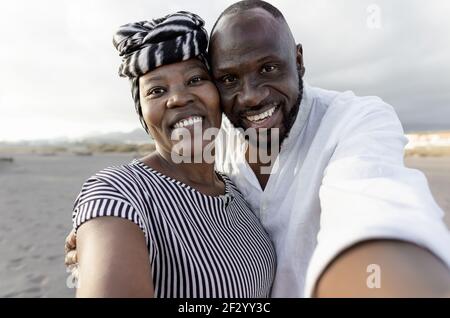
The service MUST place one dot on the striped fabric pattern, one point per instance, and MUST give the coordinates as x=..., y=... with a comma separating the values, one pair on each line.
x=199, y=246
x=146, y=45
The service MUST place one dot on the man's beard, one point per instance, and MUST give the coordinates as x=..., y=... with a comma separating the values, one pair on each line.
x=290, y=117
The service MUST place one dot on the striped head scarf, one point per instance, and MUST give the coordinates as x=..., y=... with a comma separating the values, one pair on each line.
x=147, y=45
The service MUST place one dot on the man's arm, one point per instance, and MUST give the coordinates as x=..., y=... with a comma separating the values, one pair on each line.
x=113, y=259
x=370, y=205
x=385, y=268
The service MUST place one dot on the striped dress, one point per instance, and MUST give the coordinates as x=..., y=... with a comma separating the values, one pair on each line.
x=198, y=245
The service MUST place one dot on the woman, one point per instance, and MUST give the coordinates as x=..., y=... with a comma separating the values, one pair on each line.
x=156, y=227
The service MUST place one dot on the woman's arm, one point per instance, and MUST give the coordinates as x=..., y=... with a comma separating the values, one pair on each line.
x=113, y=259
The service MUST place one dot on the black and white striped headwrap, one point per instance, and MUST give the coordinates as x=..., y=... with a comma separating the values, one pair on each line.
x=147, y=45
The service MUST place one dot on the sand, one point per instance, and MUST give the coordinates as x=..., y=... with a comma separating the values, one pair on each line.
x=437, y=171
x=36, y=197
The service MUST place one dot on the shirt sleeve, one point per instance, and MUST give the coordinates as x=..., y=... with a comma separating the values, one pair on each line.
x=99, y=198
x=367, y=193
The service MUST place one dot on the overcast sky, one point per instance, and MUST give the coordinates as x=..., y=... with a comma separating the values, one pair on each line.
x=58, y=68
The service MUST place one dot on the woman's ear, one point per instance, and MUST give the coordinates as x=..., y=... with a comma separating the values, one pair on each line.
x=299, y=55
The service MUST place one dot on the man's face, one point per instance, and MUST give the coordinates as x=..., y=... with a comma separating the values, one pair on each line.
x=257, y=69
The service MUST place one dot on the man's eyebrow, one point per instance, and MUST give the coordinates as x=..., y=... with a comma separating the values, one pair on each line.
x=268, y=58
x=226, y=68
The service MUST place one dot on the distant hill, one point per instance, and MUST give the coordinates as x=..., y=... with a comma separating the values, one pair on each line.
x=436, y=143
x=135, y=141
x=426, y=143
x=137, y=136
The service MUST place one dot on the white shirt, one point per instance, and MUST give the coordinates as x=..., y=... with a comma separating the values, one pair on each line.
x=341, y=180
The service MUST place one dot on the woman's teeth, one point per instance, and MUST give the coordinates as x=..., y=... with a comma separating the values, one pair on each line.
x=188, y=122
x=262, y=116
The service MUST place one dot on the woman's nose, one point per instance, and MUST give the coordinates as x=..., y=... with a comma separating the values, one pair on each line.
x=179, y=98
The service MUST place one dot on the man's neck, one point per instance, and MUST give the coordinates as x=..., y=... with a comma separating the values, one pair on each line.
x=262, y=178
x=262, y=170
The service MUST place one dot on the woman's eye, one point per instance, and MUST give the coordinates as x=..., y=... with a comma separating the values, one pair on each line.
x=155, y=91
x=195, y=79
x=228, y=79
x=268, y=68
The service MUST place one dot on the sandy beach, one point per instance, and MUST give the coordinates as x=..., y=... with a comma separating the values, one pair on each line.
x=36, y=197
x=437, y=171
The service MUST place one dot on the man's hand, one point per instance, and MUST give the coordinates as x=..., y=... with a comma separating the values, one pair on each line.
x=70, y=251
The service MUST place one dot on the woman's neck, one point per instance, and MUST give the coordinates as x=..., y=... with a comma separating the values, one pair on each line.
x=194, y=174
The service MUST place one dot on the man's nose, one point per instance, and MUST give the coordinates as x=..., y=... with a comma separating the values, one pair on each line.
x=252, y=94
x=179, y=97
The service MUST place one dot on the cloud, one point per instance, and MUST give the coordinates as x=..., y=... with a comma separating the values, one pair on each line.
x=406, y=61
x=58, y=64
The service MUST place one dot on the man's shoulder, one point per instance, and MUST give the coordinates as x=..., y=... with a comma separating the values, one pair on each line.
x=347, y=104
x=320, y=95
x=346, y=114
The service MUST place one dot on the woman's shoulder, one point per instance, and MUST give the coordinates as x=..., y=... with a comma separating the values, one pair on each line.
x=119, y=174
x=230, y=186
x=121, y=183
x=112, y=191
x=118, y=170
x=124, y=180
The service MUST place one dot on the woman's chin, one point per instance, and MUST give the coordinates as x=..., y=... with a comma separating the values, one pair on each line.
x=201, y=151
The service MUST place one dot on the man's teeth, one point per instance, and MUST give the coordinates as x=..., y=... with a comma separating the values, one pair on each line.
x=262, y=116
x=188, y=122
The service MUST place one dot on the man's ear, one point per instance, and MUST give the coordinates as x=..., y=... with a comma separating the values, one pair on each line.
x=300, y=65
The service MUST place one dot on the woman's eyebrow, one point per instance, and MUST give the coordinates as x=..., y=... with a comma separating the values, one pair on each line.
x=153, y=79
x=194, y=67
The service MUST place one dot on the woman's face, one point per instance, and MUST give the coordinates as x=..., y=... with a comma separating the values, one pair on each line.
x=180, y=100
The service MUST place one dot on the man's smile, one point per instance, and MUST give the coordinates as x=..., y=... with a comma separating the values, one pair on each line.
x=263, y=118
x=262, y=114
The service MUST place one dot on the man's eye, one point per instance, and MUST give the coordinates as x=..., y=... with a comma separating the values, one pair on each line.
x=155, y=91
x=268, y=68
x=228, y=79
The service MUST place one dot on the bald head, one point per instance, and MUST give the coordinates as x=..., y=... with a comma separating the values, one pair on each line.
x=247, y=28
x=257, y=67
x=245, y=5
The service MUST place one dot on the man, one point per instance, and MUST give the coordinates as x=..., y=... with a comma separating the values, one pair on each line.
x=341, y=199
x=341, y=206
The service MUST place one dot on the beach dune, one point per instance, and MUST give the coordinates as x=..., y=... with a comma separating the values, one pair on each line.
x=36, y=197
